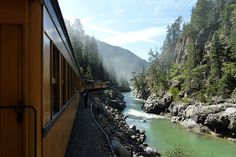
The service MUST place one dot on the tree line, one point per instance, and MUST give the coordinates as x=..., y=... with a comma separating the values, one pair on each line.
x=197, y=59
x=87, y=54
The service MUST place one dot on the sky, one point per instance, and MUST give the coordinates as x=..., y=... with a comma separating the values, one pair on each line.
x=136, y=25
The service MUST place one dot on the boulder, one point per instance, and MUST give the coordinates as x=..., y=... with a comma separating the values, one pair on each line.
x=174, y=119
x=116, y=104
x=223, y=122
x=151, y=152
x=120, y=150
x=189, y=123
x=167, y=99
x=133, y=127
x=232, y=125
x=200, y=112
x=154, y=105
x=177, y=109
x=194, y=126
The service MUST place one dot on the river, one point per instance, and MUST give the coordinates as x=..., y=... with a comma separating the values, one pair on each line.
x=165, y=136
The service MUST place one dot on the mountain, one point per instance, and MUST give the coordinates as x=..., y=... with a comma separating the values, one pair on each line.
x=122, y=61
x=198, y=59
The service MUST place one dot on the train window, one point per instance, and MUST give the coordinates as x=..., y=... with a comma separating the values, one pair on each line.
x=55, y=81
x=68, y=82
x=47, y=112
x=63, y=81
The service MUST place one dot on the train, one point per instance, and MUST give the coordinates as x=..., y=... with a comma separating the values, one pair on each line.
x=40, y=81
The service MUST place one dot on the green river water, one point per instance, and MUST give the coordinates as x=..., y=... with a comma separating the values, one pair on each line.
x=164, y=135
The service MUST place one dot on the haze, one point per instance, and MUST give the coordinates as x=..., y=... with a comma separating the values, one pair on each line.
x=136, y=25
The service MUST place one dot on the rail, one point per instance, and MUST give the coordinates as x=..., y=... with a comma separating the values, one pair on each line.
x=103, y=131
x=18, y=109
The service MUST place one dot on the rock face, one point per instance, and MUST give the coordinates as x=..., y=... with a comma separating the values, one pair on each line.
x=223, y=122
x=156, y=105
x=220, y=118
x=199, y=112
x=181, y=50
x=142, y=94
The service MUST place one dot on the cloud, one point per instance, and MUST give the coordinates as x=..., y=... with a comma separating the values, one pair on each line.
x=120, y=38
x=87, y=19
x=145, y=35
x=108, y=22
x=118, y=12
x=99, y=28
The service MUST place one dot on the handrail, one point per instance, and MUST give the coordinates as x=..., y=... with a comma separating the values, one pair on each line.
x=35, y=120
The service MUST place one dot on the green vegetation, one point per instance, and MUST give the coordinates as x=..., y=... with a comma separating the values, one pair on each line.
x=87, y=55
x=197, y=59
x=179, y=152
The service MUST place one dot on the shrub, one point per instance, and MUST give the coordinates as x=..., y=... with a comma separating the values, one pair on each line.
x=175, y=92
x=233, y=94
x=179, y=152
x=201, y=96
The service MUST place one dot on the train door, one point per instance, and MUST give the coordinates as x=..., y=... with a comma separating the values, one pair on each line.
x=11, y=129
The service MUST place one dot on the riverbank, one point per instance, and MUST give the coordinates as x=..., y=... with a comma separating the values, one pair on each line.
x=125, y=140
x=218, y=119
x=169, y=137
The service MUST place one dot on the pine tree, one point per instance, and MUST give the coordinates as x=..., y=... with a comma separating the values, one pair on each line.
x=215, y=57
x=200, y=14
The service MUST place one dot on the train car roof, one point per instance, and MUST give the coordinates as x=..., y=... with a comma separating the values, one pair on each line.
x=55, y=12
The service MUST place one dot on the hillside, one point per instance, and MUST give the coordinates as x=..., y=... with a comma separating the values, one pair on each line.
x=198, y=59
x=123, y=61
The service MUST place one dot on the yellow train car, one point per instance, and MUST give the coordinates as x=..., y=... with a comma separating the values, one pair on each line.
x=40, y=84
x=39, y=80
x=97, y=84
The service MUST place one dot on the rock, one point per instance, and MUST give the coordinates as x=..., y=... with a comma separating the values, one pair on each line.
x=120, y=150
x=142, y=131
x=126, y=141
x=177, y=109
x=141, y=94
x=200, y=112
x=154, y=105
x=223, y=122
x=133, y=137
x=232, y=125
x=116, y=104
x=180, y=49
x=232, y=139
x=174, y=119
x=204, y=129
x=194, y=126
x=212, y=120
x=189, y=123
x=151, y=152
x=167, y=99
x=133, y=127
x=144, y=120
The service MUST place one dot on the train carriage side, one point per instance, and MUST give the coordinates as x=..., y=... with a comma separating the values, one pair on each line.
x=39, y=80
x=20, y=78
x=61, y=81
